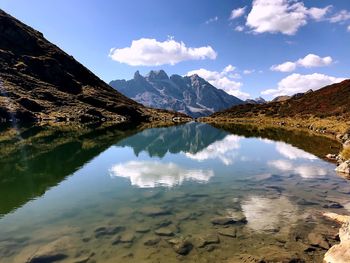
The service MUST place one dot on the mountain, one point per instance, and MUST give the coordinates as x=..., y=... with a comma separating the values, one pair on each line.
x=329, y=101
x=38, y=81
x=189, y=138
x=259, y=100
x=281, y=98
x=191, y=95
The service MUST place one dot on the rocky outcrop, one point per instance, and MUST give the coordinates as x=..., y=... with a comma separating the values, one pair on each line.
x=39, y=81
x=339, y=253
x=191, y=95
x=344, y=167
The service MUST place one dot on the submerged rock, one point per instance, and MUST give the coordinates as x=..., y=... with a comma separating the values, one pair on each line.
x=204, y=240
x=127, y=237
x=233, y=218
x=154, y=211
x=181, y=246
x=228, y=232
x=152, y=241
x=108, y=231
x=318, y=240
x=164, y=231
x=52, y=252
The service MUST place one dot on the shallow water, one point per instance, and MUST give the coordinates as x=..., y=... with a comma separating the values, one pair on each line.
x=111, y=195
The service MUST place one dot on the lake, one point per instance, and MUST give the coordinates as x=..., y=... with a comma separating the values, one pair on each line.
x=187, y=193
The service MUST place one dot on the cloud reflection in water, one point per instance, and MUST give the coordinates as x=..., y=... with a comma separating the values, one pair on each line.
x=150, y=174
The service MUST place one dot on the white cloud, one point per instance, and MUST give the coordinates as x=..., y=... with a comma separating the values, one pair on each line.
x=341, y=16
x=309, y=61
x=238, y=12
x=296, y=83
x=212, y=20
x=224, y=80
x=150, y=52
x=239, y=28
x=305, y=171
x=150, y=174
x=248, y=71
x=319, y=13
x=292, y=152
x=281, y=16
x=225, y=150
x=348, y=28
x=285, y=67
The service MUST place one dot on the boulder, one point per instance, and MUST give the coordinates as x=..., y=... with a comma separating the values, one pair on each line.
x=317, y=240
x=344, y=167
x=340, y=253
x=52, y=252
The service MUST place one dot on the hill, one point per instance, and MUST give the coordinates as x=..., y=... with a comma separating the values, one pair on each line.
x=38, y=81
x=329, y=101
x=191, y=95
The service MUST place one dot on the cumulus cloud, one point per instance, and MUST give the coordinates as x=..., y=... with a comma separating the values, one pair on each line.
x=212, y=20
x=306, y=171
x=225, y=150
x=297, y=83
x=150, y=52
x=341, y=16
x=238, y=12
x=225, y=80
x=281, y=16
x=292, y=152
x=150, y=174
x=309, y=61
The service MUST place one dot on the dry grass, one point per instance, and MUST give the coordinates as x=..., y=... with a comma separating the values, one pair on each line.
x=346, y=153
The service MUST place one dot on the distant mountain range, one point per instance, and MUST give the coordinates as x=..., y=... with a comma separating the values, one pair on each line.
x=329, y=101
x=191, y=95
x=39, y=81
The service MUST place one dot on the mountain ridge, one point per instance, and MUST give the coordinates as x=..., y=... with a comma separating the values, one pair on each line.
x=191, y=95
x=39, y=81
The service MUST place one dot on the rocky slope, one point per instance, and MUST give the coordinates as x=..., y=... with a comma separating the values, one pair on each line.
x=190, y=95
x=330, y=101
x=39, y=81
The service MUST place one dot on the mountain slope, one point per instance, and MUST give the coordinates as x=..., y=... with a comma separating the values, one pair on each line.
x=190, y=95
x=40, y=81
x=329, y=101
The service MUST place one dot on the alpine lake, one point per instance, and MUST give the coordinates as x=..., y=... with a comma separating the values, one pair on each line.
x=186, y=193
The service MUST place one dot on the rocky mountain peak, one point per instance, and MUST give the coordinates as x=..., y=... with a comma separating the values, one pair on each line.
x=157, y=75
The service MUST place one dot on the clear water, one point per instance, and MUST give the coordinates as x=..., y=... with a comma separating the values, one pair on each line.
x=110, y=195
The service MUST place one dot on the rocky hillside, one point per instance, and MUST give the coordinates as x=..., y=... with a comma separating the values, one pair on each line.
x=38, y=81
x=190, y=95
x=329, y=101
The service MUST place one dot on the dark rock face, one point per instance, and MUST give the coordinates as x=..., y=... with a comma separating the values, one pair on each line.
x=40, y=81
x=190, y=95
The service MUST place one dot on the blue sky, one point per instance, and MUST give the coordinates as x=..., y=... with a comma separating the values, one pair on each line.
x=240, y=46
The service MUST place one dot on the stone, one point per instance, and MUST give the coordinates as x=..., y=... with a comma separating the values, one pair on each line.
x=331, y=156
x=333, y=205
x=222, y=220
x=108, y=231
x=154, y=211
x=181, y=246
x=152, y=241
x=142, y=229
x=228, y=232
x=317, y=240
x=51, y=252
x=340, y=253
x=127, y=237
x=204, y=240
x=344, y=167
x=336, y=217
x=164, y=231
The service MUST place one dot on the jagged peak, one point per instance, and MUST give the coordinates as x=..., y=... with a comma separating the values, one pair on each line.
x=157, y=75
